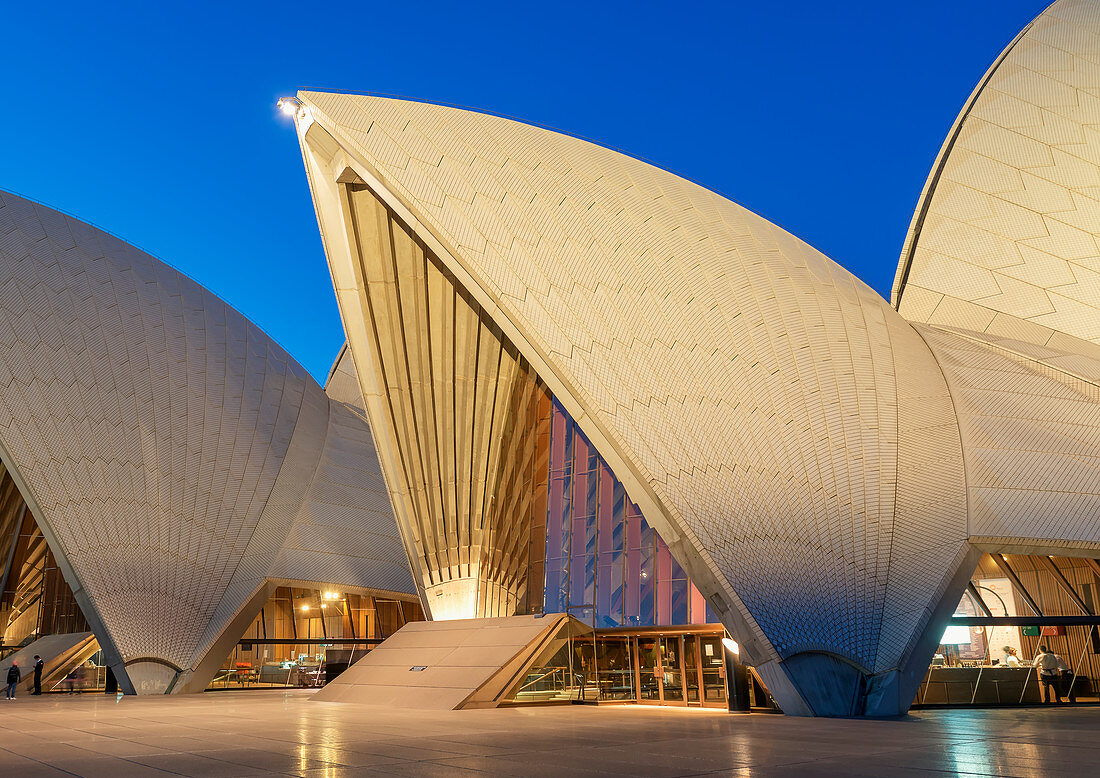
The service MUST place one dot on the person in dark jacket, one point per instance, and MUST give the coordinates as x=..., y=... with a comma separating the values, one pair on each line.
x=38, y=663
x=14, y=677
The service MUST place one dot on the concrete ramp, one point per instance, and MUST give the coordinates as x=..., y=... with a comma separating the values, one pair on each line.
x=60, y=653
x=447, y=665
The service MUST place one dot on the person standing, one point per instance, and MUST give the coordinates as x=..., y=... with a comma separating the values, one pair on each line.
x=1065, y=678
x=14, y=676
x=1048, y=666
x=38, y=663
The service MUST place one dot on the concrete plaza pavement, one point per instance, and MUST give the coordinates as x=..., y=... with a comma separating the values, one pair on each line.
x=267, y=733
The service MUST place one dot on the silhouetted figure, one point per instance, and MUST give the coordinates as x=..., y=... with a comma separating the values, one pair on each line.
x=14, y=676
x=70, y=680
x=38, y=663
x=1066, y=680
x=1050, y=669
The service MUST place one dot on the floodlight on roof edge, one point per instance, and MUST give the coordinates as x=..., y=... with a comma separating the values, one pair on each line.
x=292, y=107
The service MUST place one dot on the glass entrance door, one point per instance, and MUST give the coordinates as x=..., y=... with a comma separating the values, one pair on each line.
x=649, y=670
x=691, y=669
x=672, y=671
x=661, y=670
x=615, y=669
x=687, y=669
x=713, y=668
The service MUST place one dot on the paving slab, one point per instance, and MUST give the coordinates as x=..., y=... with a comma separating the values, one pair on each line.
x=289, y=733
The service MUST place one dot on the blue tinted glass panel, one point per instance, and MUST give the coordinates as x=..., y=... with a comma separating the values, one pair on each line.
x=557, y=581
x=647, y=579
x=615, y=610
x=679, y=596
x=602, y=557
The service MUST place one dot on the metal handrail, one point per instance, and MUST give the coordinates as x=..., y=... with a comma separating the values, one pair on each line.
x=553, y=671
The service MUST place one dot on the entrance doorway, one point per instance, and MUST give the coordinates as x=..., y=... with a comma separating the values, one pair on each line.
x=682, y=666
x=679, y=669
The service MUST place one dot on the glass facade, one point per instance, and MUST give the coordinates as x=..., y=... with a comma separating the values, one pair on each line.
x=305, y=637
x=648, y=634
x=660, y=667
x=603, y=563
x=1015, y=604
x=589, y=553
x=35, y=600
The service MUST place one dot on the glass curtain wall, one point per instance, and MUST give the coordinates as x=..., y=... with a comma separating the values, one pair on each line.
x=594, y=556
x=1014, y=605
x=35, y=600
x=655, y=667
x=603, y=563
x=305, y=637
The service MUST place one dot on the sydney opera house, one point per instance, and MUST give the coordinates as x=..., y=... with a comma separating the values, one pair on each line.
x=598, y=433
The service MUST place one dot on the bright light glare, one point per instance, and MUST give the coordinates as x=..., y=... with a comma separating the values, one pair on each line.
x=955, y=635
x=287, y=106
x=332, y=596
x=305, y=607
x=732, y=646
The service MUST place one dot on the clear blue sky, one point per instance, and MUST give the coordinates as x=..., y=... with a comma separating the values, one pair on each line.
x=156, y=121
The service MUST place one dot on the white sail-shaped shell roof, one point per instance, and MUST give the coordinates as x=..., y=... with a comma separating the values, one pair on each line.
x=174, y=456
x=1006, y=237
x=783, y=428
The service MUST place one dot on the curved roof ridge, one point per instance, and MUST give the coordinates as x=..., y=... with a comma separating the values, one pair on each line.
x=558, y=131
x=1006, y=235
x=917, y=222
